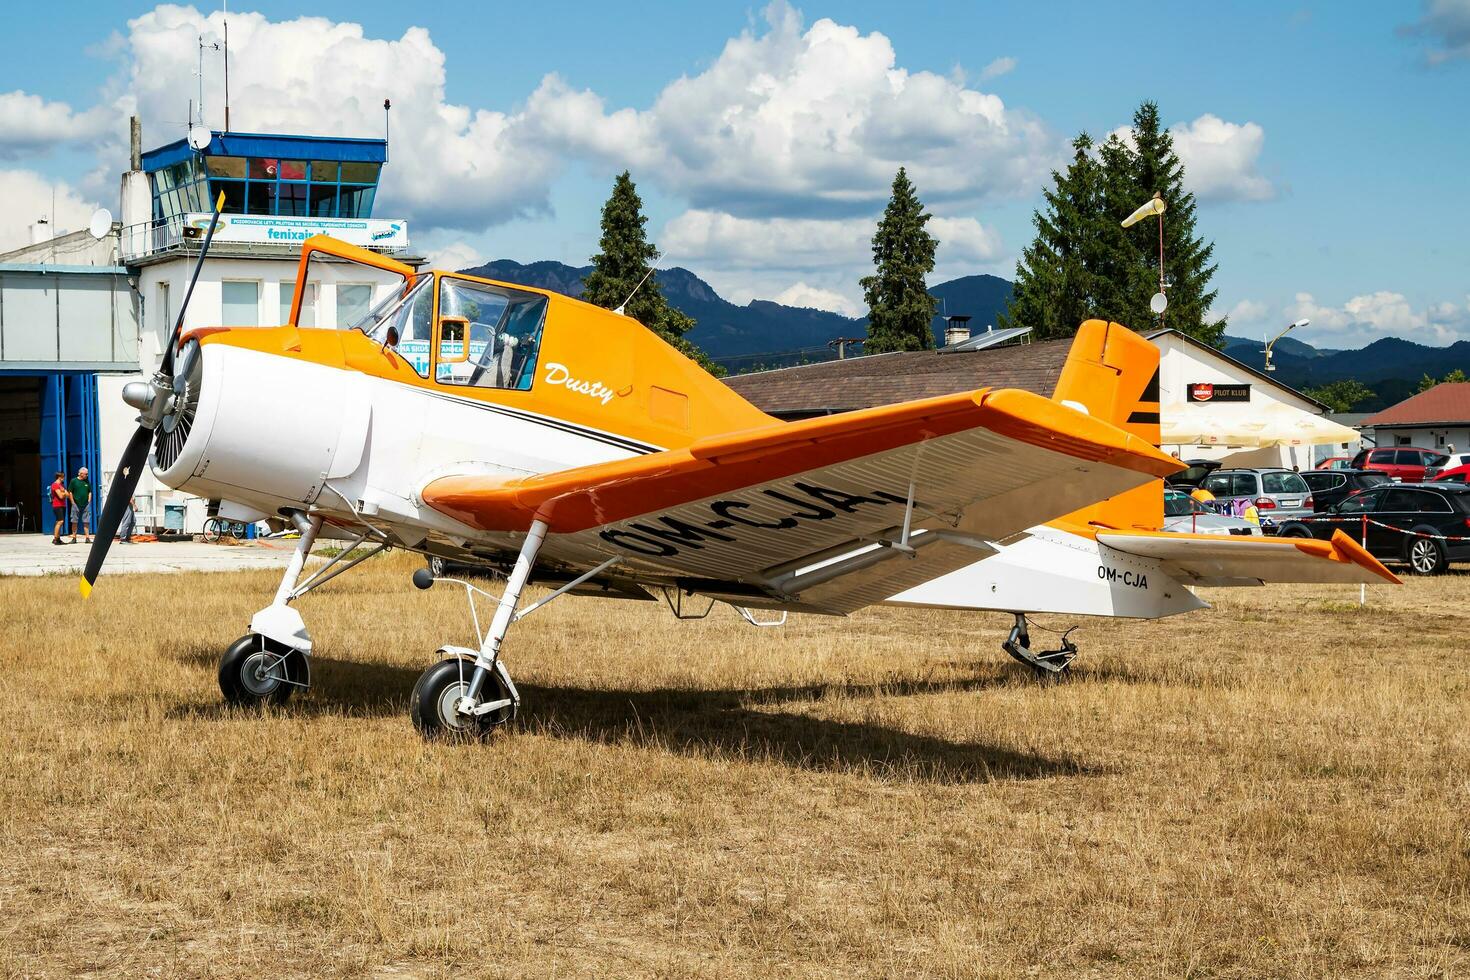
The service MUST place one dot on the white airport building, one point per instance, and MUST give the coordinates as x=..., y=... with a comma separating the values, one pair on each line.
x=82, y=314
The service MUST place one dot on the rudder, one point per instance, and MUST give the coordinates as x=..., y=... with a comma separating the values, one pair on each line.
x=1113, y=374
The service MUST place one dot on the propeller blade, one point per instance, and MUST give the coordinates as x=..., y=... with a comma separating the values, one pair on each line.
x=129, y=471
x=173, y=340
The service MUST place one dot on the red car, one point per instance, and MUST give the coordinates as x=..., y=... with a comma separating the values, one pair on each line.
x=1400, y=462
x=1336, y=463
x=1460, y=474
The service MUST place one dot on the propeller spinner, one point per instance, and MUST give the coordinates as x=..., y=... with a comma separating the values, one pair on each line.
x=165, y=405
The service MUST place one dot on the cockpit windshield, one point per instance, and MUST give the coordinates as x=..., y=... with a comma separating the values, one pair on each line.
x=373, y=323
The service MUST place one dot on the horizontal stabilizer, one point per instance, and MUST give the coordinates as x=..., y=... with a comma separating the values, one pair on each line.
x=1213, y=559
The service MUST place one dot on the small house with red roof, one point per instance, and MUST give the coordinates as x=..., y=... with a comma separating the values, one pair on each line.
x=1435, y=419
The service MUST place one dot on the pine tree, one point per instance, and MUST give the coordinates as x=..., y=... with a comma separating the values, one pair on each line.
x=624, y=261
x=1154, y=168
x=1061, y=278
x=900, y=309
x=1083, y=264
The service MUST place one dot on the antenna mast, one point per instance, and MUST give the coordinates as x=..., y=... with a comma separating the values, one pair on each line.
x=227, y=67
x=624, y=304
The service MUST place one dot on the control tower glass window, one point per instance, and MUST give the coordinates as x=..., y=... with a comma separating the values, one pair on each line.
x=177, y=190
x=295, y=188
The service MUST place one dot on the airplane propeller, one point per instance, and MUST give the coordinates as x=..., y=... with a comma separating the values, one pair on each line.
x=165, y=406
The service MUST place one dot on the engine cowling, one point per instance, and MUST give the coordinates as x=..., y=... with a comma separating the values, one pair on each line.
x=266, y=429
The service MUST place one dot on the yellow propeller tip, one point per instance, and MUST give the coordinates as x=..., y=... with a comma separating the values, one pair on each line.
x=86, y=589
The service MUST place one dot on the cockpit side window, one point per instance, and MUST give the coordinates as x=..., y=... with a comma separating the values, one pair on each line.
x=489, y=336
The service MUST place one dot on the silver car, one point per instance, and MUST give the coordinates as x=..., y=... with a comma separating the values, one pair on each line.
x=1184, y=514
x=1277, y=494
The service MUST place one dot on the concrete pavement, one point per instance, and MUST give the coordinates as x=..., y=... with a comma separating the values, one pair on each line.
x=34, y=554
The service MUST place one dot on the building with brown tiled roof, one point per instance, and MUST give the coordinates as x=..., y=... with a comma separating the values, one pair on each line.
x=1435, y=419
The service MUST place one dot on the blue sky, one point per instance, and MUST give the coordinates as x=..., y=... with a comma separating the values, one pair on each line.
x=1327, y=142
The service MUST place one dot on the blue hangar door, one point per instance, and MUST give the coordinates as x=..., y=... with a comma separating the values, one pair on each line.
x=68, y=434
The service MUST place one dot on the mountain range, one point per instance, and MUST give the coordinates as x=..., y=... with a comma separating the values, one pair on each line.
x=761, y=333
x=765, y=334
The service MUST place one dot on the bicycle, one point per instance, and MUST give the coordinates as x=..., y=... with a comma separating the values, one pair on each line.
x=218, y=527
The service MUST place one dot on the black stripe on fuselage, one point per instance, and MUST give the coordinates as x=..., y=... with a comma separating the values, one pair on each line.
x=597, y=435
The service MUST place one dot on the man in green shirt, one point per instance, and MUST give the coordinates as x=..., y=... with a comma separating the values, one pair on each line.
x=81, y=506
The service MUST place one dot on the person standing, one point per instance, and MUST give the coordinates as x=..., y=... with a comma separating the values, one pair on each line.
x=58, y=506
x=81, y=506
x=125, y=526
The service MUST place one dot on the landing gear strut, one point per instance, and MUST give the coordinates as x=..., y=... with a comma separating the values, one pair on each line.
x=459, y=697
x=274, y=658
x=1046, y=663
x=470, y=691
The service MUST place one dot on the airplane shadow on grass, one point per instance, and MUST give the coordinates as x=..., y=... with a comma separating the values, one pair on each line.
x=727, y=724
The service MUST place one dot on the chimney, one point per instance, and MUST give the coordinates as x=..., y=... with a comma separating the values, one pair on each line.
x=135, y=132
x=40, y=232
x=956, y=330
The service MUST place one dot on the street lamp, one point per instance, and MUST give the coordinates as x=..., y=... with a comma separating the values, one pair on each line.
x=1155, y=206
x=1272, y=342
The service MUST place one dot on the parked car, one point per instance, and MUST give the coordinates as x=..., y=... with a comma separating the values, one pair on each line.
x=1331, y=487
x=1336, y=463
x=1460, y=474
x=1185, y=515
x=1406, y=523
x=1451, y=461
x=1400, y=462
x=1192, y=477
x=1278, y=495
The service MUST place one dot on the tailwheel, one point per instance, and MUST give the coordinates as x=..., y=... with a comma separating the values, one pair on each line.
x=439, y=694
x=254, y=671
x=1046, y=664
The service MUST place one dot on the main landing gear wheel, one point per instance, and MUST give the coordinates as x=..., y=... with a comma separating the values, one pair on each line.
x=439, y=688
x=253, y=671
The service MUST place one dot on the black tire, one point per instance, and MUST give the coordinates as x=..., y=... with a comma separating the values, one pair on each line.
x=432, y=704
x=240, y=667
x=1425, y=556
x=1294, y=531
x=237, y=530
x=211, y=530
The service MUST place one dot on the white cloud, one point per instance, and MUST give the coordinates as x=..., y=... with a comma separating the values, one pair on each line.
x=813, y=298
x=999, y=67
x=27, y=197
x=808, y=243
x=30, y=125
x=1445, y=25
x=452, y=166
x=456, y=256
x=1221, y=159
x=807, y=121
x=1372, y=316
x=1245, y=314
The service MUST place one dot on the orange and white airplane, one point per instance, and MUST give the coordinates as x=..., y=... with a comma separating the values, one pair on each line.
x=570, y=446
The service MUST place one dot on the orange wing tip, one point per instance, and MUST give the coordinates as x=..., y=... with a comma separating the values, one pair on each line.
x=1346, y=549
x=86, y=589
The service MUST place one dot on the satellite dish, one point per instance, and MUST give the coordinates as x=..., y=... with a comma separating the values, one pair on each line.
x=200, y=137
x=101, y=224
x=1159, y=303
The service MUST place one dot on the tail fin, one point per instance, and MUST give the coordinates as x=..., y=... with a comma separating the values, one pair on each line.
x=1113, y=374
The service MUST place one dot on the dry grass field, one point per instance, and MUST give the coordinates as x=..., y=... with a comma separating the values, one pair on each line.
x=1276, y=787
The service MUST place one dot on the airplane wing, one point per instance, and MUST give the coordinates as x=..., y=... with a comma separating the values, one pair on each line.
x=810, y=515
x=1213, y=559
